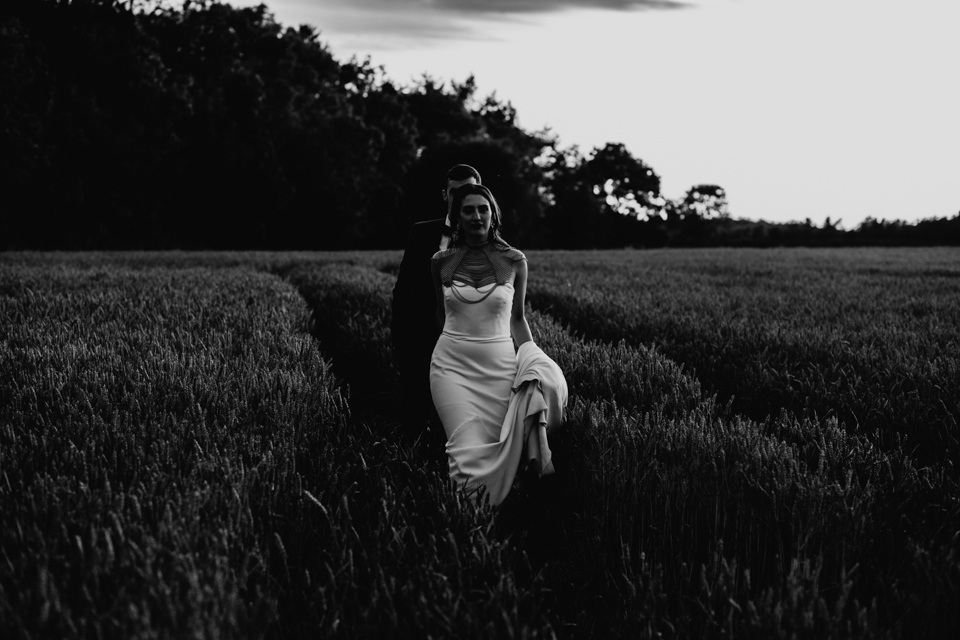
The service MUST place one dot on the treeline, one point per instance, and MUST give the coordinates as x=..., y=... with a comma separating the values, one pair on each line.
x=141, y=125
x=698, y=231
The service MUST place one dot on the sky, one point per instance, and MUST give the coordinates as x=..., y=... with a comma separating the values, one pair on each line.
x=840, y=109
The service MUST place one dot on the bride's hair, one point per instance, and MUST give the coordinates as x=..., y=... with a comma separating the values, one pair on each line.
x=496, y=219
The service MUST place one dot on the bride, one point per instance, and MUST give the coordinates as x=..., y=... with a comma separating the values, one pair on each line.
x=495, y=403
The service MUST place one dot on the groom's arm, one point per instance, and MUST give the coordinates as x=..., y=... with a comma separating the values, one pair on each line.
x=402, y=292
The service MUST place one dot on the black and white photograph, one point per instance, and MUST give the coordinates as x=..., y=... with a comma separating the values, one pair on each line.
x=479, y=319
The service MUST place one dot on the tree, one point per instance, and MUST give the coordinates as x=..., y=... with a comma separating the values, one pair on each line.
x=623, y=183
x=703, y=201
x=442, y=115
x=381, y=105
x=134, y=124
x=573, y=216
x=598, y=201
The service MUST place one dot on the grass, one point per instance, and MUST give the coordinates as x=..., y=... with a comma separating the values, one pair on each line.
x=866, y=336
x=205, y=444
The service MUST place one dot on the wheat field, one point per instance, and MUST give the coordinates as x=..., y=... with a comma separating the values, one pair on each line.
x=758, y=444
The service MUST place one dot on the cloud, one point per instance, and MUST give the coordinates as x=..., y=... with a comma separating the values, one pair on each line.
x=395, y=28
x=395, y=24
x=515, y=6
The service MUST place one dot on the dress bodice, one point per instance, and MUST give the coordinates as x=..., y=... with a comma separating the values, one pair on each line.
x=478, y=290
x=477, y=313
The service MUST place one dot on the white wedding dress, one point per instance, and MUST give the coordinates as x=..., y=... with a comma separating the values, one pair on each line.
x=474, y=365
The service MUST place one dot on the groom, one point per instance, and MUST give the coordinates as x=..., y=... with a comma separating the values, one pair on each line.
x=413, y=328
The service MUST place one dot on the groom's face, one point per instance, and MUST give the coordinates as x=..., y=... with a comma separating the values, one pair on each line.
x=452, y=186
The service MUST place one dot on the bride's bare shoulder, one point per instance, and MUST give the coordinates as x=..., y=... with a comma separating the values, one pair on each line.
x=514, y=255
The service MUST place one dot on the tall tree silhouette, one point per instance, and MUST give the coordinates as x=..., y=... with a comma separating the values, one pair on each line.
x=624, y=183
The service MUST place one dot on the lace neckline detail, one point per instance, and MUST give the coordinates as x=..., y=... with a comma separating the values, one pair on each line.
x=478, y=266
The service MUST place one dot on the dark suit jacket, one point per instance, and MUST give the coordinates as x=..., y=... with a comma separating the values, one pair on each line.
x=413, y=328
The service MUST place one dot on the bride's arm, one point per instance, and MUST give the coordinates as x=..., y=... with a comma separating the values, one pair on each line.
x=438, y=292
x=518, y=321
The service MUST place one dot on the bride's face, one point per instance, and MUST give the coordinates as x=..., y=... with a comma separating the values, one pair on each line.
x=475, y=216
